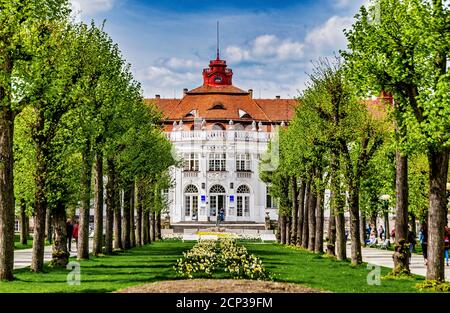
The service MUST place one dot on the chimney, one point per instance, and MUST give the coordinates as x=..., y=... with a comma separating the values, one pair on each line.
x=278, y=97
x=157, y=96
x=250, y=91
x=185, y=90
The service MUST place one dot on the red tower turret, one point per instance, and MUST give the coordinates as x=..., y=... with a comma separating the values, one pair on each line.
x=217, y=74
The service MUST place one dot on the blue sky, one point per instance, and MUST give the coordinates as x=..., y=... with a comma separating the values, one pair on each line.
x=268, y=44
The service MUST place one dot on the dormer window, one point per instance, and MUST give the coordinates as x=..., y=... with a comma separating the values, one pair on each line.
x=217, y=106
x=193, y=113
x=243, y=114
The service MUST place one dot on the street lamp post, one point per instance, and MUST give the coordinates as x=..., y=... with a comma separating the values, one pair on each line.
x=385, y=199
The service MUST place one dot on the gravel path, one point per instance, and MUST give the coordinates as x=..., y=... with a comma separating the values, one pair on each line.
x=218, y=286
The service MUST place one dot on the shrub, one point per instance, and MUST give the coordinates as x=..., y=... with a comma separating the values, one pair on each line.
x=433, y=285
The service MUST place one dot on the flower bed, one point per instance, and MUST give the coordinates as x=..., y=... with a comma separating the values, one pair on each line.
x=173, y=236
x=208, y=257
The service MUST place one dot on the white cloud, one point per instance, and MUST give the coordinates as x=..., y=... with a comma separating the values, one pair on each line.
x=329, y=36
x=92, y=6
x=267, y=48
x=236, y=54
x=182, y=64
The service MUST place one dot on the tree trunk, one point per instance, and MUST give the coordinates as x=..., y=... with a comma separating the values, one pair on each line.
x=412, y=223
x=158, y=226
x=152, y=226
x=132, y=218
x=354, y=222
x=301, y=209
x=145, y=226
x=126, y=243
x=287, y=228
x=318, y=246
x=48, y=226
x=117, y=218
x=98, y=204
x=373, y=222
x=40, y=201
x=401, y=254
x=362, y=228
x=86, y=179
x=282, y=229
x=438, y=163
x=338, y=203
x=60, y=255
x=6, y=188
x=23, y=222
x=139, y=235
x=305, y=230
x=294, y=192
x=312, y=202
x=331, y=233
x=109, y=227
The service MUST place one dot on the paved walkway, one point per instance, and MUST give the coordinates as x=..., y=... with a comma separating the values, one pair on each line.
x=22, y=258
x=384, y=258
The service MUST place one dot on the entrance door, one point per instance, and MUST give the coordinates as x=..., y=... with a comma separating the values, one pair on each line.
x=216, y=203
x=243, y=203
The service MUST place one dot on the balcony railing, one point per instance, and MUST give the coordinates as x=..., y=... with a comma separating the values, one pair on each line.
x=222, y=135
x=190, y=173
x=244, y=174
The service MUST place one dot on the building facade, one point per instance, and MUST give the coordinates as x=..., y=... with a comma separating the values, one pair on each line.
x=220, y=133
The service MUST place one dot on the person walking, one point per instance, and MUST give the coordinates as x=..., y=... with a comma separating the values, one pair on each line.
x=381, y=232
x=423, y=237
x=69, y=230
x=75, y=233
x=446, y=243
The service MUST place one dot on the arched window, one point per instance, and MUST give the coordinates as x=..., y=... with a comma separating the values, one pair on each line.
x=191, y=189
x=191, y=202
x=243, y=189
x=243, y=201
x=216, y=200
x=217, y=189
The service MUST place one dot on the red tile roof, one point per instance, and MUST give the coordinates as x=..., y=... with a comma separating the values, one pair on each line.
x=167, y=106
x=278, y=109
x=227, y=89
x=233, y=100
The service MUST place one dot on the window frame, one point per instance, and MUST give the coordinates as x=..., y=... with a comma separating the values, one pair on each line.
x=217, y=162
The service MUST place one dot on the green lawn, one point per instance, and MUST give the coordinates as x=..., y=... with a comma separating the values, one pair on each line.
x=154, y=262
x=19, y=246
x=29, y=245
x=315, y=271
x=106, y=273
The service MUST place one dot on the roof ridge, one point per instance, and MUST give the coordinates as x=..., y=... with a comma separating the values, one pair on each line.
x=257, y=104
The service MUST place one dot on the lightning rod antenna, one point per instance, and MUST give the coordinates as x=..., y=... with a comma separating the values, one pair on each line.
x=218, y=57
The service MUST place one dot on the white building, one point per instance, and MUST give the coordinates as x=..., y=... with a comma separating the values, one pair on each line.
x=221, y=132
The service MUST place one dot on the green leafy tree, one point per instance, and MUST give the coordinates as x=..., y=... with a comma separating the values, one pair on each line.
x=402, y=47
